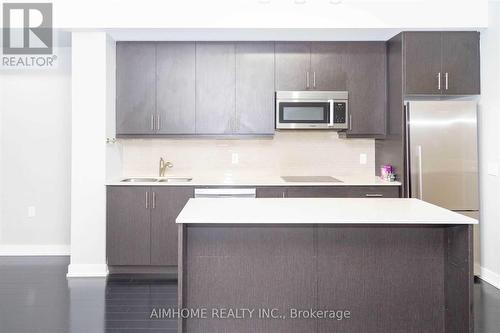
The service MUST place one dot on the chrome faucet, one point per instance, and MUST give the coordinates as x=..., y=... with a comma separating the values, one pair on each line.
x=163, y=166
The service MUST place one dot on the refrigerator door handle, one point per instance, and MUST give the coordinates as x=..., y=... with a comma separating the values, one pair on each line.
x=407, y=183
x=420, y=176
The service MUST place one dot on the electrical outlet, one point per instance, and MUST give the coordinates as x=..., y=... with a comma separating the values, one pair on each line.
x=363, y=159
x=235, y=158
x=31, y=211
x=493, y=169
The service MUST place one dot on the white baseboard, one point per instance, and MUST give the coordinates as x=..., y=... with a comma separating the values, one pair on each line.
x=490, y=277
x=34, y=250
x=87, y=270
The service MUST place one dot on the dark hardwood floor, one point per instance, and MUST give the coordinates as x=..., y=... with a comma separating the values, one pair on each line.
x=36, y=297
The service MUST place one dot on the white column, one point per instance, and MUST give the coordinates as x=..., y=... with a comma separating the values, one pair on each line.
x=489, y=149
x=92, y=96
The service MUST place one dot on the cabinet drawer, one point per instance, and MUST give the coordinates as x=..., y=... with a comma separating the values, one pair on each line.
x=271, y=192
x=373, y=192
x=343, y=192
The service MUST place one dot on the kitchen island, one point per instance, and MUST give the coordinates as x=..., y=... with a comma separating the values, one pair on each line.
x=324, y=265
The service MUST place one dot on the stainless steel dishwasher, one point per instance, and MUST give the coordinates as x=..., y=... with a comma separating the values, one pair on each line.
x=224, y=193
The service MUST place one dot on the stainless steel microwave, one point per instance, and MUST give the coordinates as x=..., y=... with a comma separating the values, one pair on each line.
x=312, y=110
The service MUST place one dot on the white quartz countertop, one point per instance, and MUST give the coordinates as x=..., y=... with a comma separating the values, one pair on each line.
x=249, y=180
x=317, y=210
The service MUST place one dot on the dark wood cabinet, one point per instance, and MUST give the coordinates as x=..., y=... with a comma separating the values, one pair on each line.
x=461, y=63
x=271, y=192
x=441, y=63
x=168, y=202
x=254, y=88
x=328, y=191
x=135, y=88
x=128, y=225
x=343, y=192
x=328, y=60
x=175, y=88
x=215, y=88
x=422, y=63
x=367, y=86
x=293, y=65
x=141, y=228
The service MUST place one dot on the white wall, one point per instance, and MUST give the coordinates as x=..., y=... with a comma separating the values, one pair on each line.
x=35, y=111
x=490, y=148
x=92, y=81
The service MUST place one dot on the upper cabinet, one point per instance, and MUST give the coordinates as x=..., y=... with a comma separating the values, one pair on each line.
x=228, y=88
x=175, y=88
x=366, y=81
x=422, y=52
x=254, y=88
x=441, y=63
x=293, y=66
x=215, y=88
x=135, y=88
x=356, y=67
x=328, y=69
x=310, y=66
x=461, y=63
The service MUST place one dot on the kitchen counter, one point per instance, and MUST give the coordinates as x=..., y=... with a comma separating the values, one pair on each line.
x=226, y=180
x=318, y=210
x=390, y=264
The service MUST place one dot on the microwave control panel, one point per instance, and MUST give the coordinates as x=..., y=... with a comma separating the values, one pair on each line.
x=339, y=112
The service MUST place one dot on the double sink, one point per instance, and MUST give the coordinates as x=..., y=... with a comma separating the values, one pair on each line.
x=157, y=180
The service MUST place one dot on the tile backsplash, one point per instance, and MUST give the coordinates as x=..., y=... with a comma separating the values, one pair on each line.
x=288, y=153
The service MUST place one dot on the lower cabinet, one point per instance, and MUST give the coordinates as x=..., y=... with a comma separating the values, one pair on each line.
x=271, y=192
x=141, y=229
x=329, y=192
x=169, y=202
x=128, y=225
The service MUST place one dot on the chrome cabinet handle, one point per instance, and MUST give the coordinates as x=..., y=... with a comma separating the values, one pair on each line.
x=446, y=81
x=350, y=122
x=330, y=101
x=158, y=122
x=314, y=79
x=147, y=200
x=307, y=80
x=152, y=122
x=420, y=177
x=154, y=200
x=439, y=80
x=373, y=195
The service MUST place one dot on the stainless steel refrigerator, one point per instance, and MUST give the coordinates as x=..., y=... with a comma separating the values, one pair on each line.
x=441, y=154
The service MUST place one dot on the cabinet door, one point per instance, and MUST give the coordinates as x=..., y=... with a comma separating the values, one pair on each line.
x=215, y=88
x=366, y=84
x=422, y=51
x=128, y=225
x=167, y=203
x=175, y=88
x=328, y=65
x=461, y=63
x=255, y=88
x=135, y=87
x=271, y=192
x=293, y=63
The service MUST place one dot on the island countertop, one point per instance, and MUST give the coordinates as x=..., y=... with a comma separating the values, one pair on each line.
x=317, y=211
